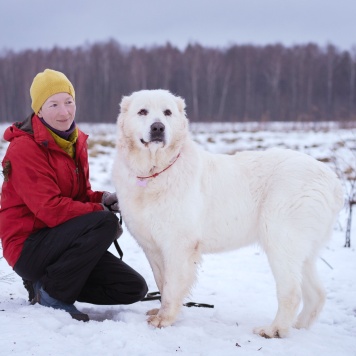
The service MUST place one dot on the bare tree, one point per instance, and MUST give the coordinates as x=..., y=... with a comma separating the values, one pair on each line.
x=351, y=200
x=352, y=82
x=346, y=170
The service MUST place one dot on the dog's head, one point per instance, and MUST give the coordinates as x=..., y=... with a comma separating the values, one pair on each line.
x=152, y=121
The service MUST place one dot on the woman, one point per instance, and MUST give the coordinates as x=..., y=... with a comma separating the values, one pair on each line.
x=55, y=230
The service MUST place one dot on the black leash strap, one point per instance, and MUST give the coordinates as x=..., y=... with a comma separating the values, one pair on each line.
x=152, y=296
x=157, y=296
x=198, y=305
x=118, y=249
x=117, y=246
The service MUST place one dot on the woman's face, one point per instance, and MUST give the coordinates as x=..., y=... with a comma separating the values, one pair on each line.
x=58, y=111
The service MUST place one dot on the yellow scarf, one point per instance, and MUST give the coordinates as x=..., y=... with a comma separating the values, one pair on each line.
x=67, y=146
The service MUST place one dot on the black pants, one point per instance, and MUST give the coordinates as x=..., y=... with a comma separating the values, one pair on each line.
x=72, y=262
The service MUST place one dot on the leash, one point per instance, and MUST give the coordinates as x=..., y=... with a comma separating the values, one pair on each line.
x=118, y=249
x=117, y=246
x=157, y=296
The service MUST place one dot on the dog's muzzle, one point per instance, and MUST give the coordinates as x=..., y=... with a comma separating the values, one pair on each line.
x=157, y=132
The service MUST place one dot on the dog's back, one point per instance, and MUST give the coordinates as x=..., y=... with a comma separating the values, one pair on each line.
x=246, y=195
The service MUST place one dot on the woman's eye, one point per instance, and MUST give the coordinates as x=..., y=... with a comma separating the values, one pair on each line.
x=167, y=112
x=143, y=112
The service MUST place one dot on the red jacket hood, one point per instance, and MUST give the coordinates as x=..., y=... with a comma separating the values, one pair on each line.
x=15, y=131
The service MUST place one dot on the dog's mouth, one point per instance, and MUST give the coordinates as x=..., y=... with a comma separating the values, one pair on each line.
x=146, y=143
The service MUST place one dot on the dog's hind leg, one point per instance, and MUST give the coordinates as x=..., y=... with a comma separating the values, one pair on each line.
x=287, y=273
x=313, y=295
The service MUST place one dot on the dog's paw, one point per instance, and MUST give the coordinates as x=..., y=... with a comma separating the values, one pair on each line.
x=305, y=320
x=271, y=331
x=153, y=311
x=160, y=321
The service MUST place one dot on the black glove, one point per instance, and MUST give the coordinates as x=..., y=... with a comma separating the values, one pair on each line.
x=110, y=202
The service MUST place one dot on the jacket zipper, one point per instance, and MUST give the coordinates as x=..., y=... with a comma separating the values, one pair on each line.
x=77, y=173
x=78, y=179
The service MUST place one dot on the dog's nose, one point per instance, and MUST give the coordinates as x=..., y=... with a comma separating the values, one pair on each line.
x=157, y=127
x=157, y=131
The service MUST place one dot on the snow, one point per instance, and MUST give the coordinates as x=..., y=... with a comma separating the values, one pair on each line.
x=239, y=284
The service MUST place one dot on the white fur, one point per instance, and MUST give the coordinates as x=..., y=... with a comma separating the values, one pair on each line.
x=284, y=200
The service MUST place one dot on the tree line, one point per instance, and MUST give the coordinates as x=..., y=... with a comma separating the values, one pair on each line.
x=234, y=84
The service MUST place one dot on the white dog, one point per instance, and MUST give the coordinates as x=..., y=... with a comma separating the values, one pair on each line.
x=179, y=201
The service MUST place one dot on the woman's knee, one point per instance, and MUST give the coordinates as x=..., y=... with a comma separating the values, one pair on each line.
x=141, y=289
x=104, y=215
x=132, y=289
x=108, y=225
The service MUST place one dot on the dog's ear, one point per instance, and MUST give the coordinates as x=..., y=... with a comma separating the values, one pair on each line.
x=181, y=104
x=125, y=102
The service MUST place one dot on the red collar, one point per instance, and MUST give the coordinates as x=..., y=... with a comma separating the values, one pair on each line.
x=158, y=173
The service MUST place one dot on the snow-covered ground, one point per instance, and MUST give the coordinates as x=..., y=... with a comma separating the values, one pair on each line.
x=239, y=284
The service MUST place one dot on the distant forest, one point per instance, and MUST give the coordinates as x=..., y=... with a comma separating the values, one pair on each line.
x=235, y=84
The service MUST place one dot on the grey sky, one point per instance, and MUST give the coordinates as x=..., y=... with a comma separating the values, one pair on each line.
x=32, y=24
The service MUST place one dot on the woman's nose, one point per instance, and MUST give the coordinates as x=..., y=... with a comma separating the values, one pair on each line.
x=63, y=109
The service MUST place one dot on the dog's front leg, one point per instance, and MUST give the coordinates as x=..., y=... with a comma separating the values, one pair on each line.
x=156, y=266
x=179, y=274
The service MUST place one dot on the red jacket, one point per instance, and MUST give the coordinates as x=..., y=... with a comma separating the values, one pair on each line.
x=43, y=186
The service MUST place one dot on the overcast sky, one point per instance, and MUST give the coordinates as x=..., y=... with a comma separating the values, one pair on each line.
x=33, y=24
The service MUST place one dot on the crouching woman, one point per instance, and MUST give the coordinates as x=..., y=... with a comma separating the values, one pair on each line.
x=55, y=231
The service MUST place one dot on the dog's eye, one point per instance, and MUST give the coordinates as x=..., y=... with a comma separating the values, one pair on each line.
x=167, y=112
x=143, y=112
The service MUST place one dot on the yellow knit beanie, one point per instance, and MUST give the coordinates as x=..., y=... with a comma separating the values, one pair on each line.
x=46, y=84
